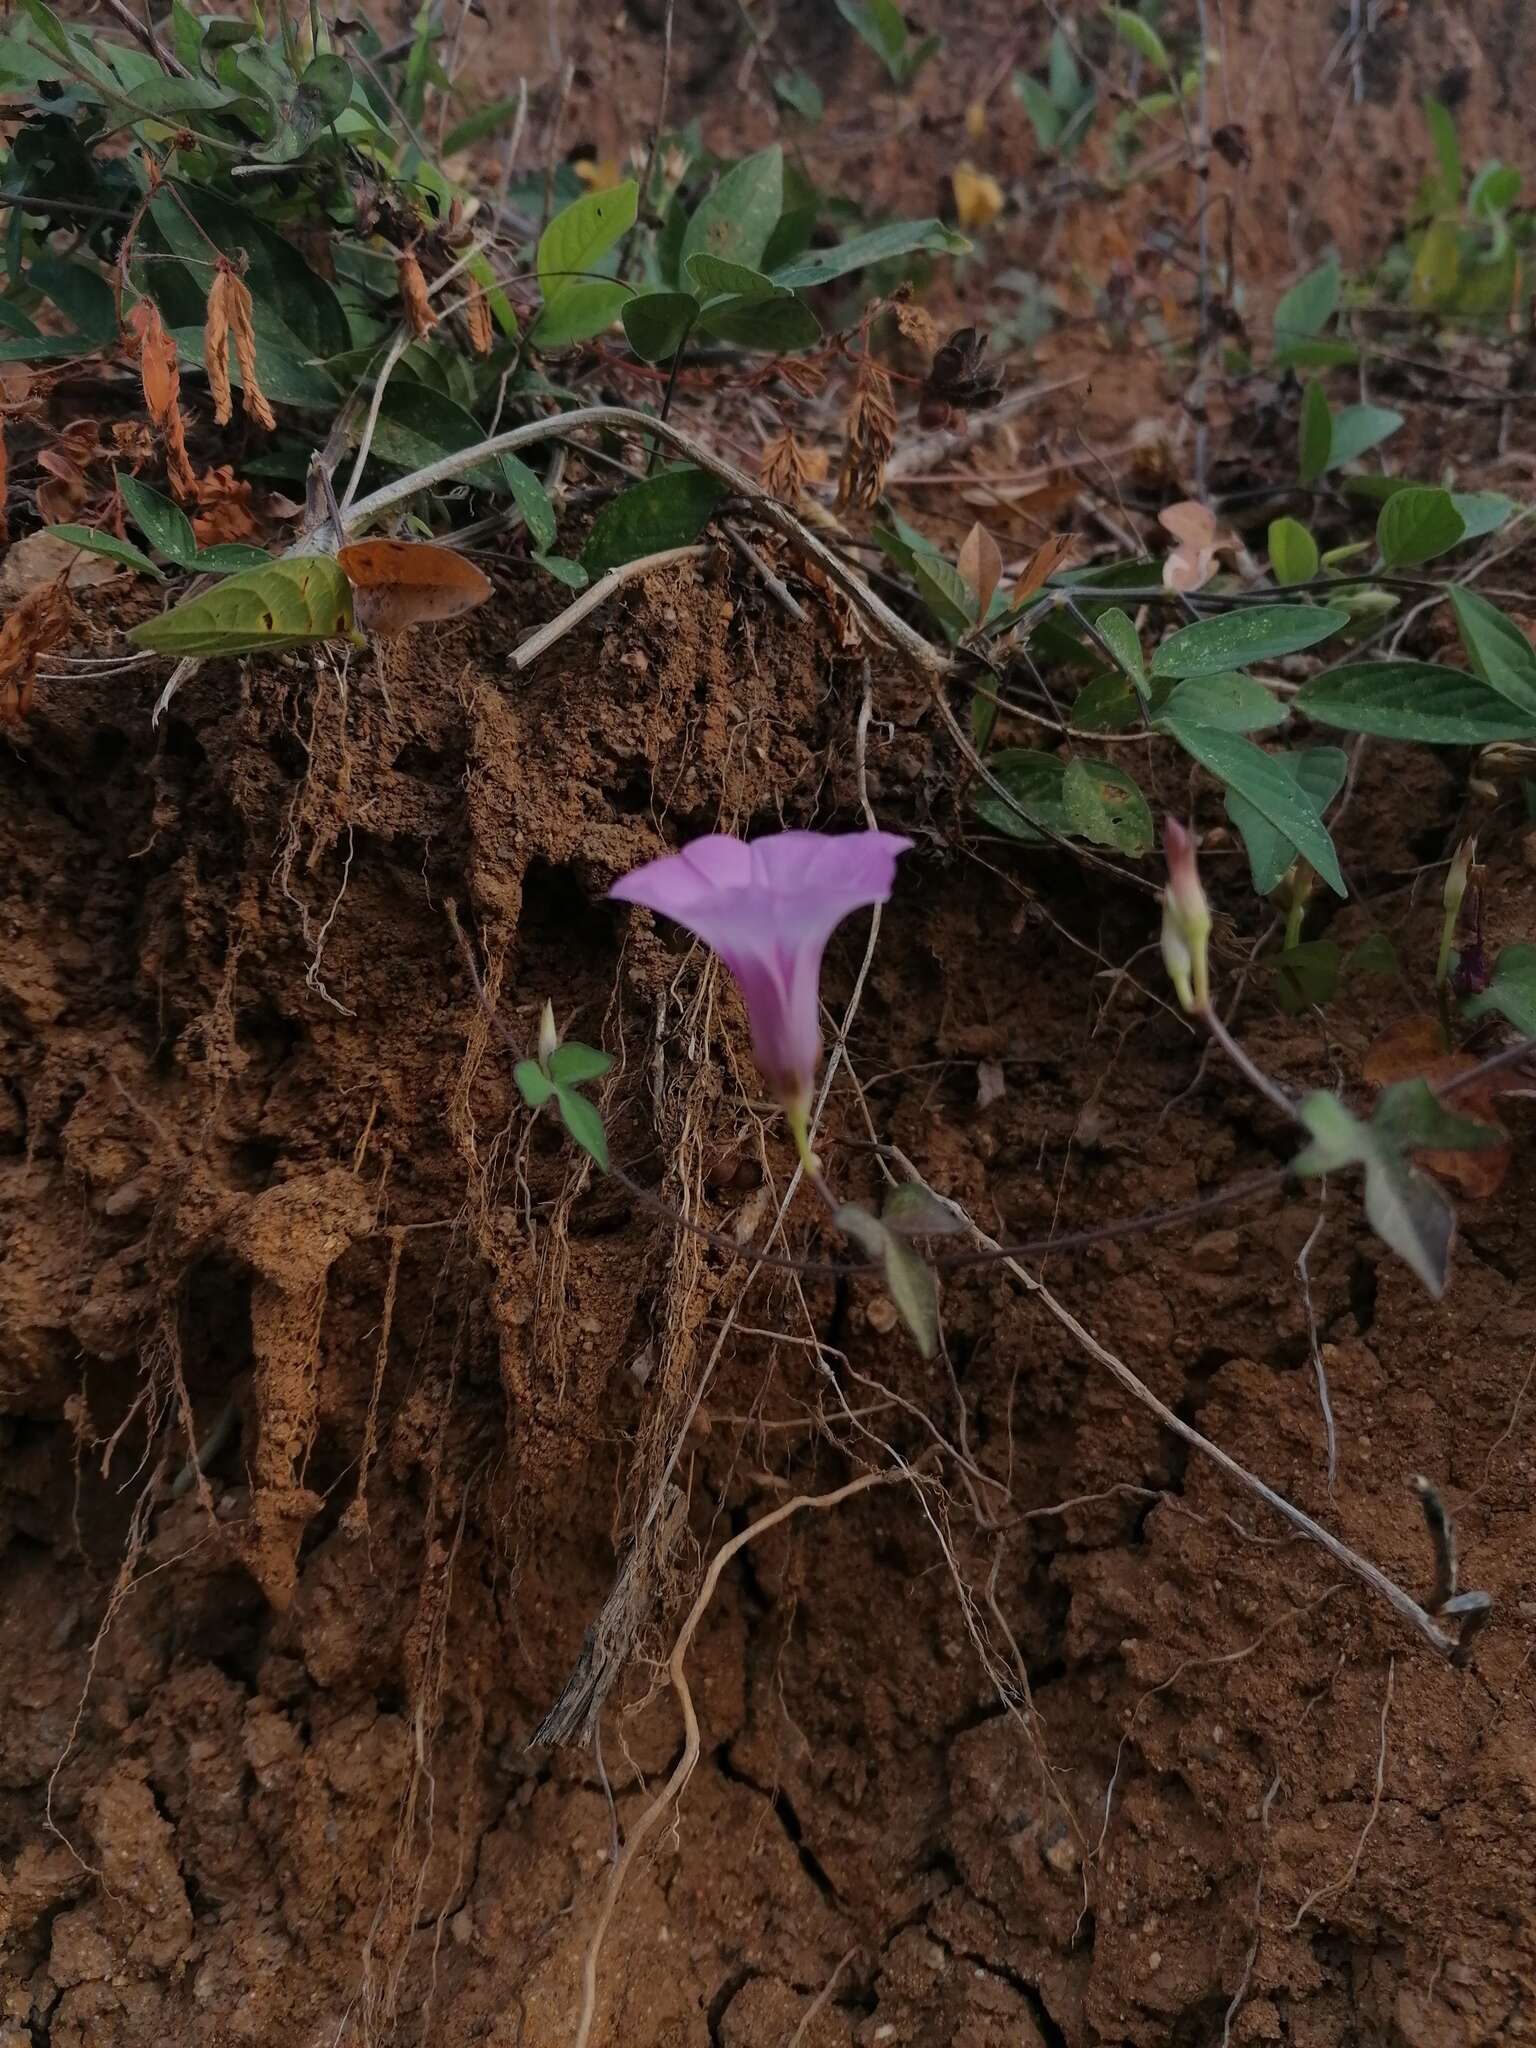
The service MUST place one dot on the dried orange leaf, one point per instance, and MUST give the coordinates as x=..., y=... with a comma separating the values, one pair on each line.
x=981, y=565
x=41, y=621
x=1043, y=564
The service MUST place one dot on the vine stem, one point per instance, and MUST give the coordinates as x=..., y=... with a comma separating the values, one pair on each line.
x=1401, y=1602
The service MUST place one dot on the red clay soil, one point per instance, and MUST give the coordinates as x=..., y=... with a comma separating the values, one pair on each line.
x=1061, y=1742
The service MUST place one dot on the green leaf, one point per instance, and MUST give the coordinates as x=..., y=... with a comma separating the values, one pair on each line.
x=884, y=28
x=1109, y=703
x=917, y=1212
x=1442, y=133
x=879, y=245
x=48, y=26
x=1037, y=784
x=1497, y=649
x=666, y=511
x=1405, y=1209
x=1494, y=190
x=565, y=571
x=531, y=499
x=583, y=1123
x=800, y=93
x=577, y=305
x=658, y=323
x=286, y=604
x=944, y=590
x=1045, y=116
x=1292, y=551
x=777, y=326
x=736, y=219
x=1305, y=310
x=97, y=543
x=534, y=1085
x=1375, y=955
x=715, y=277
x=1212, y=647
x=1414, y=700
x=1139, y=33
x=571, y=1064
x=1116, y=630
x=1319, y=772
x=1305, y=975
x=1105, y=806
x=417, y=426
x=164, y=525
x=1315, y=442
x=282, y=368
x=1272, y=791
x=910, y=1284
x=290, y=301
x=1416, y=525
x=1229, y=703
x=80, y=293
x=226, y=557
x=586, y=308
x=1512, y=992
x=1359, y=428
x=1436, y=267
x=1317, y=355
x=1482, y=512
x=867, y=1231
x=475, y=127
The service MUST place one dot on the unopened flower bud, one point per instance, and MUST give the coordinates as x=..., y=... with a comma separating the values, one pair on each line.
x=1186, y=934
x=549, y=1037
x=1458, y=874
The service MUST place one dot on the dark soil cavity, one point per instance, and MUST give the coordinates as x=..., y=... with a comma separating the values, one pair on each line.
x=1059, y=1758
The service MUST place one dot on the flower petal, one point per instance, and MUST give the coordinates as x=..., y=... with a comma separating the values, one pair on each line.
x=768, y=910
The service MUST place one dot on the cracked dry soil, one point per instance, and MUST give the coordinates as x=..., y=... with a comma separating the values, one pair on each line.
x=281, y=1727
x=264, y=1764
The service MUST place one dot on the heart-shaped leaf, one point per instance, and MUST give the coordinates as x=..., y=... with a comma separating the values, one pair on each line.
x=666, y=511
x=285, y=604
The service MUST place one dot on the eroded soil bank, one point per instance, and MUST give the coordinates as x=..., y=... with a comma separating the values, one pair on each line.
x=264, y=1762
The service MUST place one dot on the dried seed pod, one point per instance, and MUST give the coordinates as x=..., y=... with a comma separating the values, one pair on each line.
x=869, y=436
x=419, y=315
x=253, y=397
x=160, y=373
x=916, y=323
x=216, y=346
x=477, y=318
x=782, y=467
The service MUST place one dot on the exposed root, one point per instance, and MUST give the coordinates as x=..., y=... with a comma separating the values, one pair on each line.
x=683, y=1770
x=1342, y=1884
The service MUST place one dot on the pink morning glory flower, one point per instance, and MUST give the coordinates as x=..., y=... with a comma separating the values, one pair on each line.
x=768, y=910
